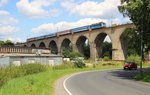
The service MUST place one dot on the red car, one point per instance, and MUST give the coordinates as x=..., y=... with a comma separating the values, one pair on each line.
x=130, y=65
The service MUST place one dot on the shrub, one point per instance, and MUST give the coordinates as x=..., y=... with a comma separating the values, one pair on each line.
x=134, y=58
x=106, y=58
x=67, y=53
x=74, y=54
x=79, y=64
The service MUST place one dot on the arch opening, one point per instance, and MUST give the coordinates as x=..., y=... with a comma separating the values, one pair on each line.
x=103, y=46
x=130, y=39
x=25, y=46
x=66, y=45
x=33, y=46
x=83, y=46
x=42, y=45
x=53, y=47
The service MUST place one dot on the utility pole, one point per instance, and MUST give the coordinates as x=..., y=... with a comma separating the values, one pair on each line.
x=141, y=62
x=144, y=9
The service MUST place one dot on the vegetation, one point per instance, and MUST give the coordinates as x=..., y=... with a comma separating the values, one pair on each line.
x=131, y=42
x=87, y=51
x=79, y=64
x=71, y=54
x=138, y=11
x=6, y=43
x=144, y=78
x=11, y=72
x=42, y=81
x=107, y=49
x=134, y=58
x=106, y=58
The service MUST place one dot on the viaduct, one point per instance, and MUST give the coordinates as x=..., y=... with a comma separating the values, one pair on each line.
x=95, y=38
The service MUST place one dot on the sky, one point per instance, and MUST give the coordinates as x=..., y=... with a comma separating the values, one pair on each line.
x=22, y=19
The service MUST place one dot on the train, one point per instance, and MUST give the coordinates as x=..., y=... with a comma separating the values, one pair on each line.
x=70, y=31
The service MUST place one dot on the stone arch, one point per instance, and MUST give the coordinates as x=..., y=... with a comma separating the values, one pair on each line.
x=66, y=44
x=99, y=44
x=25, y=46
x=42, y=45
x=53, y=47
x=123, y=41
x=33, y=45
x=80, y=43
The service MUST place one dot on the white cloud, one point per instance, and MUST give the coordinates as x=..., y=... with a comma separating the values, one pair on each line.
x=7, y=23
x=7, y=19
x=106, y=9
x=3, y=2
x=54, y=27
x=37, y=8
x=7, y=29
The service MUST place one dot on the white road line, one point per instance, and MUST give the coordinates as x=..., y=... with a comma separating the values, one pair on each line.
x=64, y=83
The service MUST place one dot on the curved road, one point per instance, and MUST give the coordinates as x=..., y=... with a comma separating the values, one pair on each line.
x=114, y=82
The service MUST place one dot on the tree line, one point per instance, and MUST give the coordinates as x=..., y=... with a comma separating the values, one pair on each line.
x=6, y=43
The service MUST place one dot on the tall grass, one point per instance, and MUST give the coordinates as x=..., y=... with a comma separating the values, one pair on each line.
x=18, y=71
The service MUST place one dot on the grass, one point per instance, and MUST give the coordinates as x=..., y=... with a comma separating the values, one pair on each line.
x=43, y=83
x=36, y=84
x=146, y=75
x=144, y=78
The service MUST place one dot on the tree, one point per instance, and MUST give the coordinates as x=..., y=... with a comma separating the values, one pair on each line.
x=68, y=53
x=139, y=12
x=87, y=51
x=6, y=43
x=130, y=39
x=107, y=49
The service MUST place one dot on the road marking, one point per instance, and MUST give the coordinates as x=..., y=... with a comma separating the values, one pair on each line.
x=64, y=83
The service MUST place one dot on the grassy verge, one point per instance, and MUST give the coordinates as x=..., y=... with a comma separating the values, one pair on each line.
x=144, y=78
x=146, y=75
x=42, y=83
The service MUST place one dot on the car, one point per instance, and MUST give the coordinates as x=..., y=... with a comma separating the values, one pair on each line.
x=130, y=65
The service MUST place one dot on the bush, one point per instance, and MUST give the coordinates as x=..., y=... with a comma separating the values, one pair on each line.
x=134, y=58
x=18, y=71
x=74, y=54
x=106, y=58
x=79, y=64
x=67, y=53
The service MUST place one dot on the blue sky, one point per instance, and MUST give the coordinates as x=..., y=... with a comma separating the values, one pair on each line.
x=22, y=19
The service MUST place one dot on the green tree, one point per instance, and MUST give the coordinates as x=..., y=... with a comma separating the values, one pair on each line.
x=130, y=42
x=139, y=12
x=2, y=43
x=68, y=53
x=6, y=43
x=107, y=49
x=87, y=51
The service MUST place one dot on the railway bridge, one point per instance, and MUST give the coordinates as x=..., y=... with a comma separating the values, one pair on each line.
x=95, y=39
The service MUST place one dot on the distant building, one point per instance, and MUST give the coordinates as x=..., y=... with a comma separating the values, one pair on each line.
x=23, y=55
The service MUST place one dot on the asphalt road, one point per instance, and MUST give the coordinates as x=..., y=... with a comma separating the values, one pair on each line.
x=114, y=82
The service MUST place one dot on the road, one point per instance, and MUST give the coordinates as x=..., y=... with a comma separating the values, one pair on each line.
x=109, y=82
